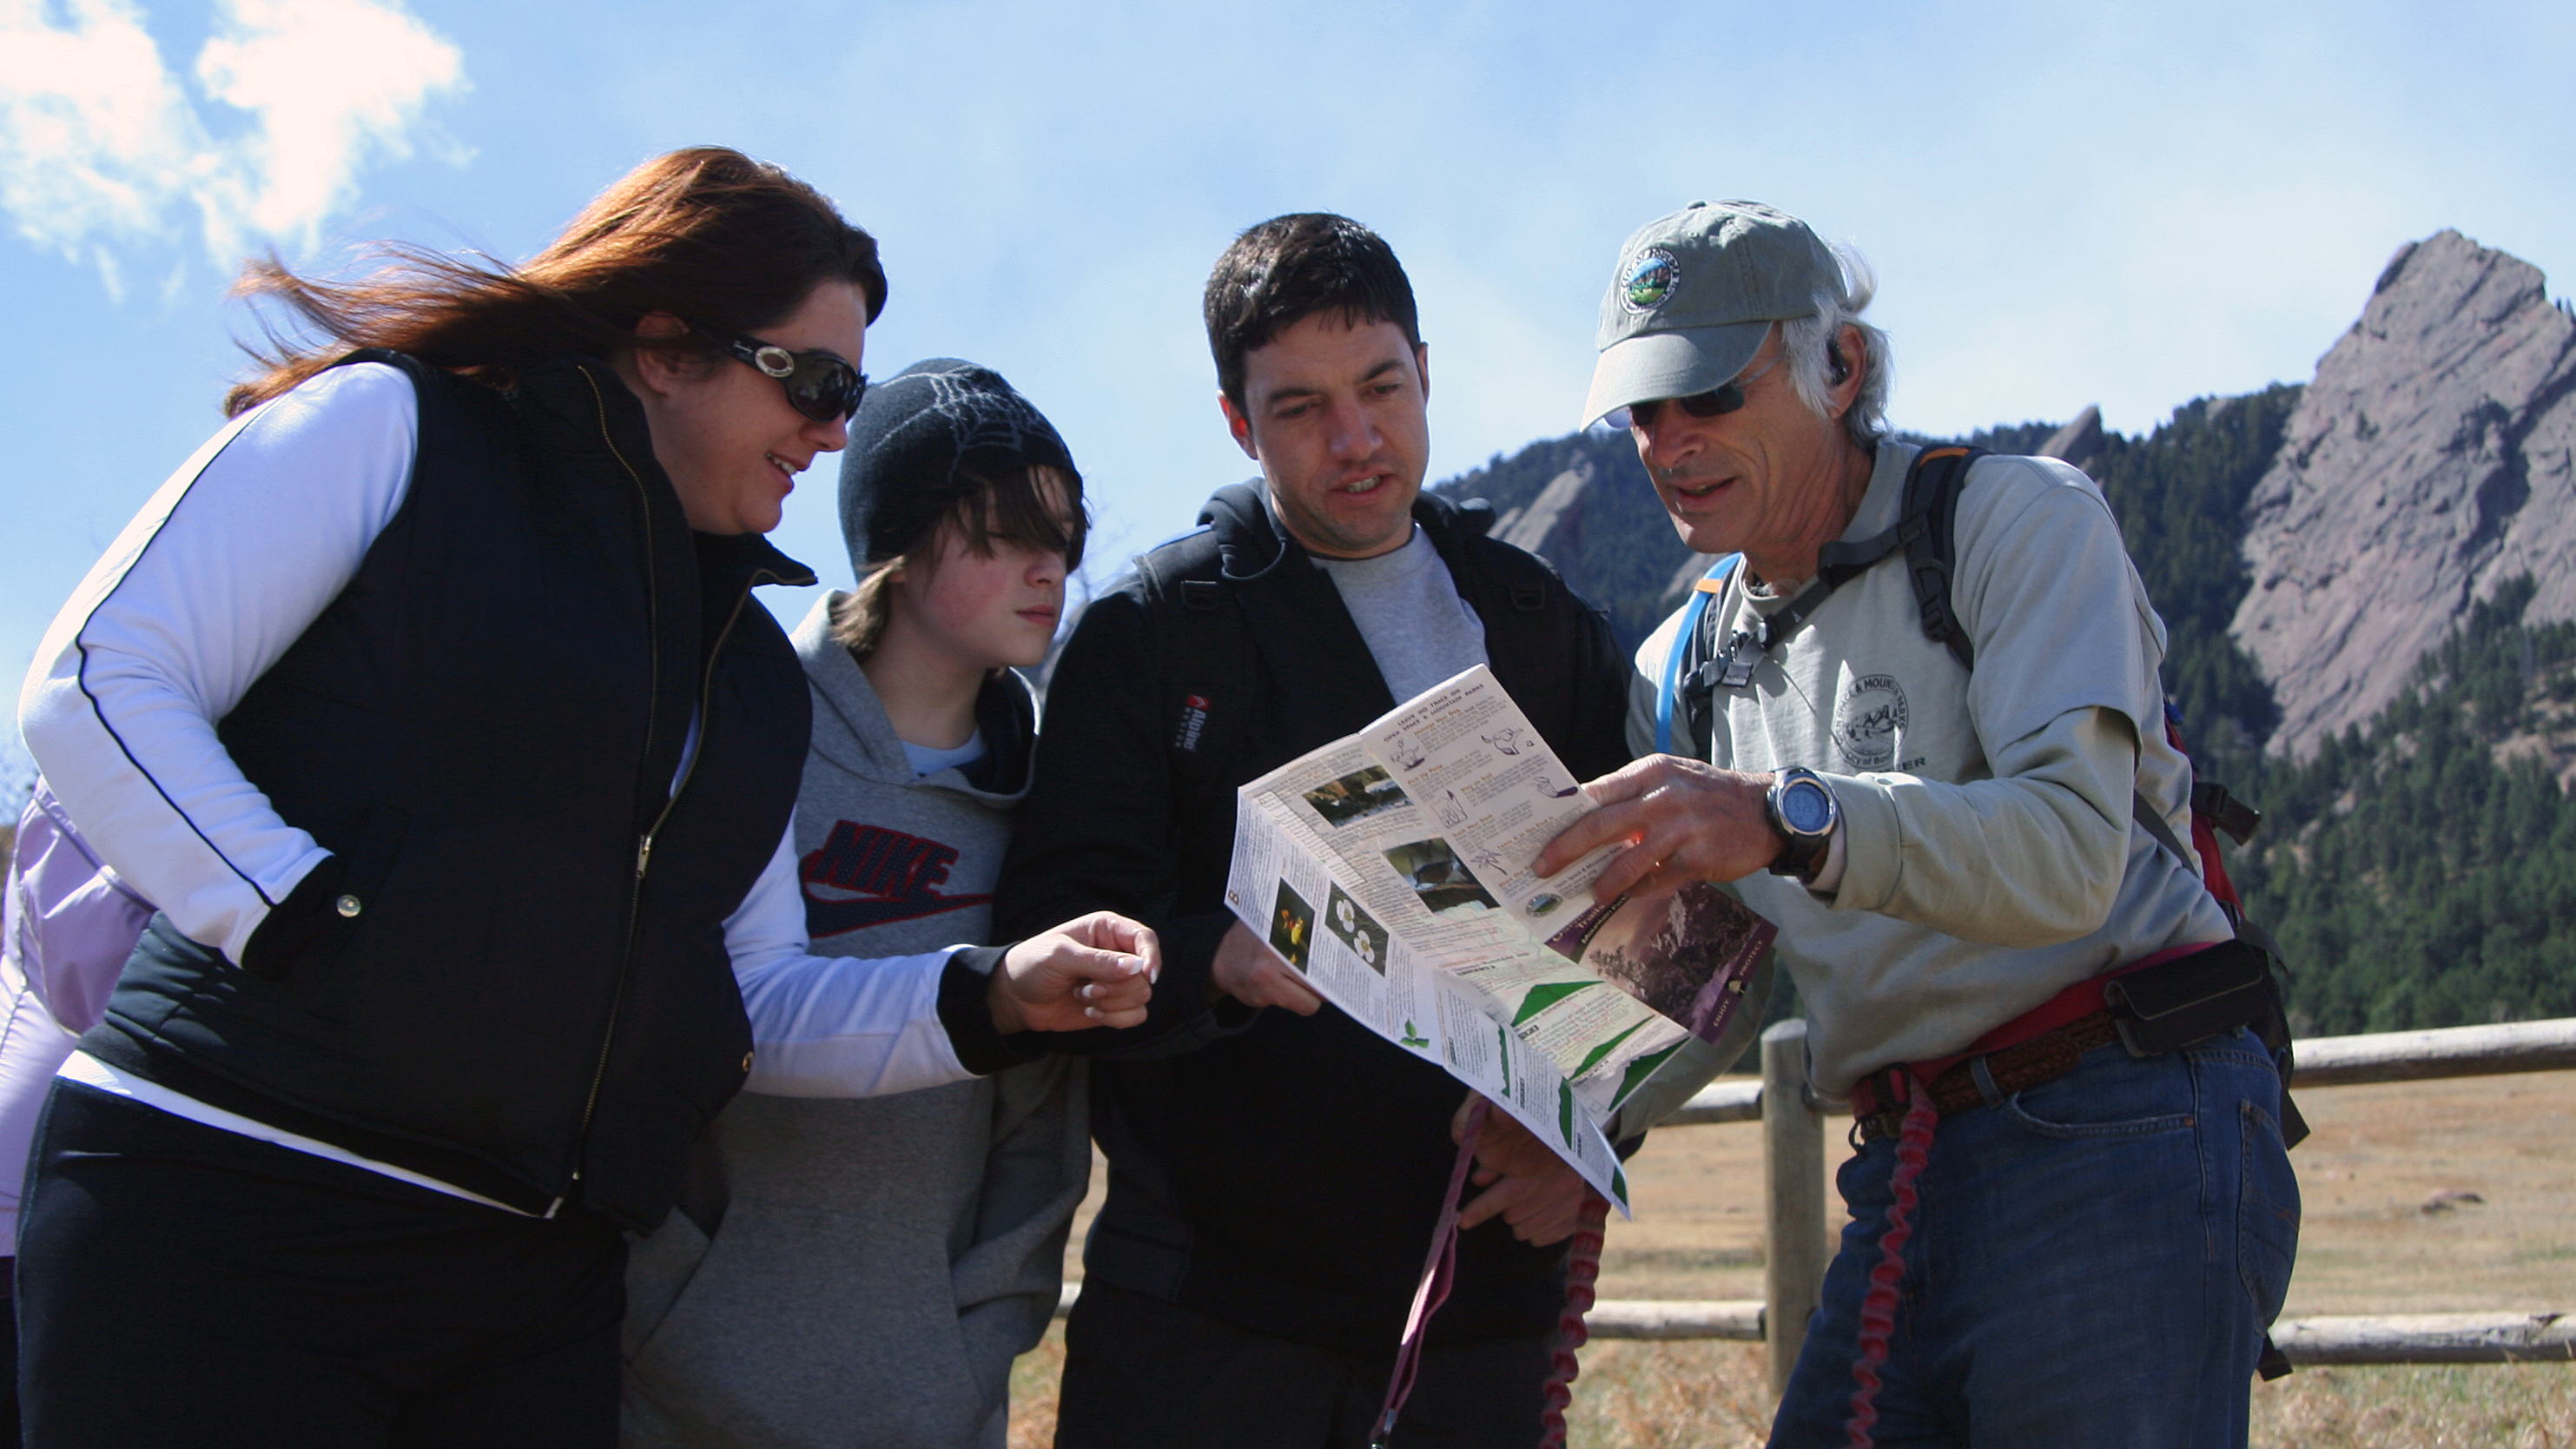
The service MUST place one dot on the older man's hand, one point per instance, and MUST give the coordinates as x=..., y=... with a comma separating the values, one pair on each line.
x=1681, y=820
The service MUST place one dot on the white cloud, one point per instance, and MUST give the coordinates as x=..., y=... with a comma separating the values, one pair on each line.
x=95, y=137
x=333, y=83
x=104, y=151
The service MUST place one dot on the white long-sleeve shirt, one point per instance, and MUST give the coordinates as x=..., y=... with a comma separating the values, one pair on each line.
x=222, y=571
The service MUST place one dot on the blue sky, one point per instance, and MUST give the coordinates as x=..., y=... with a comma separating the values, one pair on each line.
x=2126, y=204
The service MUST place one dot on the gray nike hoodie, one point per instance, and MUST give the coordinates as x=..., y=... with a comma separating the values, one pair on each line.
x=875, y=1264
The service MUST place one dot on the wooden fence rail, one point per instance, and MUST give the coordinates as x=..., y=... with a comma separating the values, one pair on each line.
x=1796, y=1248
x=2408, y=1338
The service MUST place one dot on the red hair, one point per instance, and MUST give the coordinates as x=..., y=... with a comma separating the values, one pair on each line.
x=707, y=234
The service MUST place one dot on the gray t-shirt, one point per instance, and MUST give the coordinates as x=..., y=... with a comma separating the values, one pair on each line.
x=1418, y=630
x=1989, y=856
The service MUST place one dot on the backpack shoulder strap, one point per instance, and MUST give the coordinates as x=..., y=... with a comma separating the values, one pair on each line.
x=1523, y=576
x=1687, y=661
x=1203, y=657
x=2154, y=824
x=1925, y=528
x=1930, y=531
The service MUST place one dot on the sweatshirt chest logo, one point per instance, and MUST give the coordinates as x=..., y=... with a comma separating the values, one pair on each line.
x=867, y=875
x=1867, y=720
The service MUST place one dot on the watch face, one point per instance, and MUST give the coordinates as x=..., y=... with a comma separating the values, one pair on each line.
x=1806, y=807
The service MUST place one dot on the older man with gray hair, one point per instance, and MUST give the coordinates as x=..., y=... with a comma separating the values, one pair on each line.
x=1919, y=726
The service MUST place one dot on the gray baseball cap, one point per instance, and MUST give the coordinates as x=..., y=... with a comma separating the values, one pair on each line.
x=1695, y=293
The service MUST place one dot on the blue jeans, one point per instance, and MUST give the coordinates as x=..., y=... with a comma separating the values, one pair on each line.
x=2094, y=1262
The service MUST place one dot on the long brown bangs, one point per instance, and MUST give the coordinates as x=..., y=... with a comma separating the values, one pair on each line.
x=1014, y=509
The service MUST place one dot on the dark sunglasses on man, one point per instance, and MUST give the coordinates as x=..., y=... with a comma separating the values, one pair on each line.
x=1724, y=398
x=819, y=385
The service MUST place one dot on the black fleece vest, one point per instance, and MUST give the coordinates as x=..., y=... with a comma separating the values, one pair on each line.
x=495, y=980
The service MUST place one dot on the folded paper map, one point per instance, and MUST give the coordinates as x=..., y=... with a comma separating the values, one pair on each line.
x=1394, y=870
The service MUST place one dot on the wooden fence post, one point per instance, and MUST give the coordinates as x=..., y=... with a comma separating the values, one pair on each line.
x=1793, y=1146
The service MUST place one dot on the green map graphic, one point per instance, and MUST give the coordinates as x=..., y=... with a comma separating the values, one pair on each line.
x=1593, y=1057
x=1642, y=1068
x=1543, y=996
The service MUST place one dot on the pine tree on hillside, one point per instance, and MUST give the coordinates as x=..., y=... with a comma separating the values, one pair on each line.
x=2422, y=871
x=2180, y=496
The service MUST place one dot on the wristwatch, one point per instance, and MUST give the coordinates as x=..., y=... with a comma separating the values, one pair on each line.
x=1802, y=809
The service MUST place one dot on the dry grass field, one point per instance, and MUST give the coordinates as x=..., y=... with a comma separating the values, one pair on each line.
x=2373, y=1241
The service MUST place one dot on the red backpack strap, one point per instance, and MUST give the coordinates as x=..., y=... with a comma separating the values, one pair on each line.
x=2213, y=809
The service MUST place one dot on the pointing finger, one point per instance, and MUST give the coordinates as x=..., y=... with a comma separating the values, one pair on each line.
x=1577, y=841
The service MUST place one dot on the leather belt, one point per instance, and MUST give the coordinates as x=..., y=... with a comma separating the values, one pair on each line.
x=1986, y=1078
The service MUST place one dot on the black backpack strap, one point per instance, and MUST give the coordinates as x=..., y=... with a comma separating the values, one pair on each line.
x=1203, y=664
x=1523, y=576
x=2154, y=824
x=1930, y=527
x=1926, y=529
x=2214, y=800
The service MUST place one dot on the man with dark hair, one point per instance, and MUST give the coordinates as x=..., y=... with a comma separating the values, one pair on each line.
x=1294, y=266
x=1276, y=1170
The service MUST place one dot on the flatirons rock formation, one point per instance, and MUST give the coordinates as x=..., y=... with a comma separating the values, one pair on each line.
x=2428, y=463
x=1551, y=525
x=2079, y=442
x=1584, y=504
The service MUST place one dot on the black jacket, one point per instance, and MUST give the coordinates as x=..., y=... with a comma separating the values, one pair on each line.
x=1284, y=1177
x=511, y=973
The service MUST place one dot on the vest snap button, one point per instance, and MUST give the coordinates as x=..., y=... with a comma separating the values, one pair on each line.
x=349, y=905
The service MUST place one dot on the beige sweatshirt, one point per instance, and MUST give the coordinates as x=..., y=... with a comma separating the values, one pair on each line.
x=1989, y=857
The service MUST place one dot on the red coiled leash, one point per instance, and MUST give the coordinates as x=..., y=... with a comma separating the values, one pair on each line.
x=1582, y=1270
x=1878, y=1309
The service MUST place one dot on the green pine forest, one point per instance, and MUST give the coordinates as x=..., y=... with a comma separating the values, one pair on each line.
x=2419, y=871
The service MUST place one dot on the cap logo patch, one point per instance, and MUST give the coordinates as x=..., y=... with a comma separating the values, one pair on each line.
x=1649, y=280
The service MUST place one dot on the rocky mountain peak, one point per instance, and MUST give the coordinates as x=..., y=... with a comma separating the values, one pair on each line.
x=1584, y=504
x=2079, y=442
x=2432, y=460
x=1551, y=525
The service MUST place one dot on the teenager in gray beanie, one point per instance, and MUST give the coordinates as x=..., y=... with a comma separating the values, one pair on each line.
x=863, y=1272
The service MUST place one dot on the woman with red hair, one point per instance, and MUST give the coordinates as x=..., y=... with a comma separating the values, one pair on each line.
x=430, y=705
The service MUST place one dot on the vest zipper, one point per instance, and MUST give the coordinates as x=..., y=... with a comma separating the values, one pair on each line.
x=644, y=857
x=644, y=847
x=652, y=575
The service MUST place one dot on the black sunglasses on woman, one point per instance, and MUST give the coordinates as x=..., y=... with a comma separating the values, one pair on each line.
x=819, y=384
